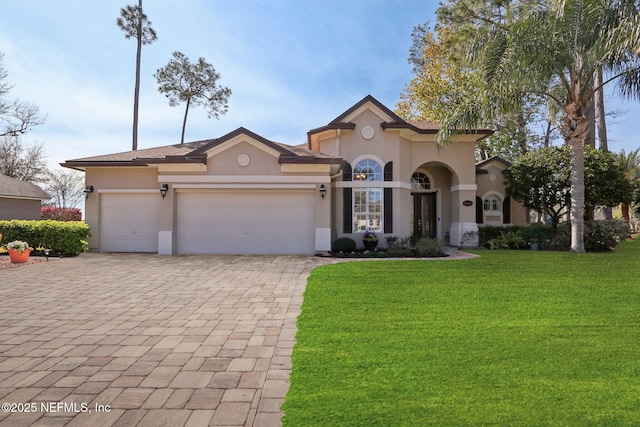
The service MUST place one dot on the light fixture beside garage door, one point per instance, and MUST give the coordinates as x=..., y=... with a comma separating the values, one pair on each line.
x=323, y=191
x=87, y=191
x=163, y=190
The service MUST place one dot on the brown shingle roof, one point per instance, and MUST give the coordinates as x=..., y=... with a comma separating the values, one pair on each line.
x=11, y=187
x=195, y=152
x=147, y=153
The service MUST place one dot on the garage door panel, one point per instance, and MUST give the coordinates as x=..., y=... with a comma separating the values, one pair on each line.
x=129, y=222
x=246, y=222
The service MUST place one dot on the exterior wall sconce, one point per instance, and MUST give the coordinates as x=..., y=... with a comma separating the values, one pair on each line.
x=323, y=191
x=163, y=190
x=87, y=191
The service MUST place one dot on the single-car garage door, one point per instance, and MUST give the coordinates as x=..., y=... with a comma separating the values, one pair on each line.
x=246, y=221
x=129, y=222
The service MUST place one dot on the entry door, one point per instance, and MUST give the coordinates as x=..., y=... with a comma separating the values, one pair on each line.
x=424, y=215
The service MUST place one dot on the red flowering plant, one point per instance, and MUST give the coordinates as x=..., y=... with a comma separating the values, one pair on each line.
x=370, y=237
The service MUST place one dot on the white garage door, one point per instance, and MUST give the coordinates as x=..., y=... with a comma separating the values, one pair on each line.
x=129, y=222
x=246, y=221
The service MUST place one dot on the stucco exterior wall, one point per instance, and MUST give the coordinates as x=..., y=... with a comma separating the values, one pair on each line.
x=494, y=182
x=11, y=208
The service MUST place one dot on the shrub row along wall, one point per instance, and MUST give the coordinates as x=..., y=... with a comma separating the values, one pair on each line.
x=599, y=235
x=67, y=238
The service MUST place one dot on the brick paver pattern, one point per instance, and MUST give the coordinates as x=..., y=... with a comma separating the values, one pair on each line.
x=146, y=340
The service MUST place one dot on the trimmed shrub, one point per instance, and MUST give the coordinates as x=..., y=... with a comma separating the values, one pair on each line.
x=61, y=214
x=344, y=244
x=428, y=247
x=399, y=247
x=599, y=235
x=537, y=233
x=62, y=238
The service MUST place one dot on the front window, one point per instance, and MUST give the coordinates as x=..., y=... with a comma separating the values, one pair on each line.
x=492, y=204
x=367, y=202
x=367, y=209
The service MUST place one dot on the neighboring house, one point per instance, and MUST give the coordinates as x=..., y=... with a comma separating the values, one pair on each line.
x=20, y=199
x=366, y=170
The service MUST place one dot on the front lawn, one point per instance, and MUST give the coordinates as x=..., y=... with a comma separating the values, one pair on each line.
x=512, y=338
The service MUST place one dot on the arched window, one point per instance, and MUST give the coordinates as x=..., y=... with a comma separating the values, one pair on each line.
x=492, y=204
x=420, y=181
x=367, y=170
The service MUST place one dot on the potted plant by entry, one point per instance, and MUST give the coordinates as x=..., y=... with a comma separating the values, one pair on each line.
x=18, y=251
x=370, y=240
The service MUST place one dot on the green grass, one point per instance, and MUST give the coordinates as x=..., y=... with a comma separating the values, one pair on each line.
x=512, y=338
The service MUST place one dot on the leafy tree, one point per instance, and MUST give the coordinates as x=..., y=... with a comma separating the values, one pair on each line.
x=182, y=81
x=23, y=161
x=541, y=180
x=630, y=164
x=554, y=48
x=66, y=188
x=16, y=117
x=134, y=23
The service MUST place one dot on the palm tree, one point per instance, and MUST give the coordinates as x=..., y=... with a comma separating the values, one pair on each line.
x=554, y=48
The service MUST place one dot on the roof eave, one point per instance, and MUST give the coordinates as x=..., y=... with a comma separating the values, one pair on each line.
x=309, y=160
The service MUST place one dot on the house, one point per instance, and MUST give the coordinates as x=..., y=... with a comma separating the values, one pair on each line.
x=20, y=199
x=368, y=169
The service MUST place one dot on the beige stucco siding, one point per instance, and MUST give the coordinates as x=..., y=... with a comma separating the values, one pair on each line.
x=12, y=208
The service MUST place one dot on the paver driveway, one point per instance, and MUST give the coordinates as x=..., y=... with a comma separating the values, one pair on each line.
x=151, y=340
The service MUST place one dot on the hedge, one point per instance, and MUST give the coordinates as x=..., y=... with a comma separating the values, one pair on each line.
x=599, y=235
x=61, y=237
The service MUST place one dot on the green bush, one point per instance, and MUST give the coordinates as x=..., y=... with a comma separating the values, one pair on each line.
x=399, y=247
x=429, y=247
x=599, y=235
x=507, y=240
x=344, y=244
x=62, y=238
x=490, y=232
x=537, y=233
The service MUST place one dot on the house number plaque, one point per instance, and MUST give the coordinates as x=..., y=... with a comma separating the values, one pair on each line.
x=467, y=203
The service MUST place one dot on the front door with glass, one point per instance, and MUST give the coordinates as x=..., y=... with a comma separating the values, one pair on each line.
x=424, y=215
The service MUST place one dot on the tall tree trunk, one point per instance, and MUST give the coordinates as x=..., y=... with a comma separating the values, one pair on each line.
x=625, y=213
x=547, y=134
x=522, y=133
x=590, y=114
x=601, y=124
x=184, y=121
x=574, y=128
x=601, y=121
x=577, y=194
x=136, y=94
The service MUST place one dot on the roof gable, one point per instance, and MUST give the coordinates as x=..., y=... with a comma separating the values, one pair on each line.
x=237, y=136
x=368, y=103
x=15, y=188
x=482, y=167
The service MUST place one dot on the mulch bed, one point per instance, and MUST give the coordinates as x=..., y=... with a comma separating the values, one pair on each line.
x=6, y=263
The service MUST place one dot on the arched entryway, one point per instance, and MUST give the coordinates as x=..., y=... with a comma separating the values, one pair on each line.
x=431, y=201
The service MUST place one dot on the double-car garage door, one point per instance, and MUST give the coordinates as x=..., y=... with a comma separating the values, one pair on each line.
x=246, y=221
x=231, y=221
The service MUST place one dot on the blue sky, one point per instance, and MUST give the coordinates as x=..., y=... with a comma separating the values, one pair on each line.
x=292, y=65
